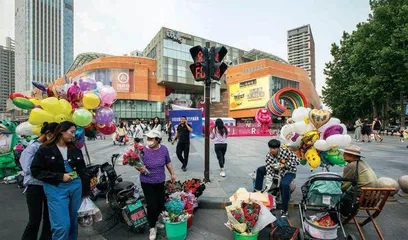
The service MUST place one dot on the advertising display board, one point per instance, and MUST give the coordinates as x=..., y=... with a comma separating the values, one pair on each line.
x=194, y=118
x=252, y=93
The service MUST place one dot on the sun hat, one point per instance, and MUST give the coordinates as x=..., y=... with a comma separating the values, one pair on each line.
x=352, y=149
x=154, y=134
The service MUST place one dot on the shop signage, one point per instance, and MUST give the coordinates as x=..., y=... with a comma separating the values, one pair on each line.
x=173, y=35
x=123, y=82
x=248, y=94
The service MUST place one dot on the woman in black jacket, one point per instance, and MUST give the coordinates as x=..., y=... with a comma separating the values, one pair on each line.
x=61, y=166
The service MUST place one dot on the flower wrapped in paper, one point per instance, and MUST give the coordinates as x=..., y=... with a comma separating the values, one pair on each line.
x=134, y=157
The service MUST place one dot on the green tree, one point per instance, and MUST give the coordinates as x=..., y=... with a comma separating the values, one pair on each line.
x=368, y=75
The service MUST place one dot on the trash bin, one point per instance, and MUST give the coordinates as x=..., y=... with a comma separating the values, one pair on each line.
x=240, y=236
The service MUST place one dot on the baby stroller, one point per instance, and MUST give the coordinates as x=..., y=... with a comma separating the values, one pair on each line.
x=322, y=192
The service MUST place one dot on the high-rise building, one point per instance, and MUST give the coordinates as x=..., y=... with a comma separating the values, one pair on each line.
x=6, y=72
x=301, y=50
x=44, y=31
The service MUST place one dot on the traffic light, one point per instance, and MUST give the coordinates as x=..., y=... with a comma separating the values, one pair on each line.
x=200, y=66
x=218, y=68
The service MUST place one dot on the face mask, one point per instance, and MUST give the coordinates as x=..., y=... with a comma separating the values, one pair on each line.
x=150, y=144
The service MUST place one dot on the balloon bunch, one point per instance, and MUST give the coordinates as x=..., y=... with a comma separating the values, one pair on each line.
x=317, y=136
x=87, y=103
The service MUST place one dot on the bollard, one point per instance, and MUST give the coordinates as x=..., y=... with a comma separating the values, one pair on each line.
x=385, y=182
x=403, y=183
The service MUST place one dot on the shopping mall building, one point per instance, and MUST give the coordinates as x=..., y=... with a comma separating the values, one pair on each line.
x=149, y=86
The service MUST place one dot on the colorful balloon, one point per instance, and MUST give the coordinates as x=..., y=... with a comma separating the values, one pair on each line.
x=36, y=102
x=74, y=95
x=332, y=130
x=37, y=130
x=24, y=129
x=334, y=157
x=82, y=117
x=79, y=137
x=310, y=137
x=38, y=116
x=50, y=92
x=66, y=107
x=104, y=115
x=107, y=129
x=14, y=95
x=331, y=122
x=107, y=94
x=319, y=117
x=300, y=113
x=87, y=84
x=321, y=145
x=23, y=103
x=338, y=141
x=90, y=100
x=313, y=158
x=39, y=86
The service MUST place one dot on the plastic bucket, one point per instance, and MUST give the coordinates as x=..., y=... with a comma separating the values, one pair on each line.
x=239, y=236
x=190, y=219
x=176, y=231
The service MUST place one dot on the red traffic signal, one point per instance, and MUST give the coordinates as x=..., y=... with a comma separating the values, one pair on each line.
x=199, y=68
x=218, y=68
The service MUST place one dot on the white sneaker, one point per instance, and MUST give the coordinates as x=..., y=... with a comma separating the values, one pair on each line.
x=159, y=225
x=222, y=174
x=153, y=233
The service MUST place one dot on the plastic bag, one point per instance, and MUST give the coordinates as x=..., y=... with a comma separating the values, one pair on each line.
x=88, y=213
x=265, y=218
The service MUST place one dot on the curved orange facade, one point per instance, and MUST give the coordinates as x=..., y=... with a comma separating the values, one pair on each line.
x=261, y=68
x=142, y=74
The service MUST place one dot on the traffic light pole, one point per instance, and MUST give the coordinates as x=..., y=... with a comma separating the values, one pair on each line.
x=207, y=123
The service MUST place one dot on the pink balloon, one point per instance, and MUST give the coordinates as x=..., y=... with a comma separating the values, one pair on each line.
x=107, y=94
x=74, y=95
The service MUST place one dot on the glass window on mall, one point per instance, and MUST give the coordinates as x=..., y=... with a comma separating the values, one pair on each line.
x=176, y=61
x=132, y=109
x=277, y=83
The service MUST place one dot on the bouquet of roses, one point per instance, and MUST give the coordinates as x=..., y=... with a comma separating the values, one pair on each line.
x=172, y=187
x=134, y=158
x=175, y=211
x=242, y=218
x=194, y=186
x=188, y=199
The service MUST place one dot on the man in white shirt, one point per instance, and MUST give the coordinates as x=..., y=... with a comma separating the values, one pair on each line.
x=139, y=128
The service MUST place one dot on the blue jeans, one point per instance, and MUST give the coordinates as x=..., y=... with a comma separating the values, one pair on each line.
x=64, y=201
x=285, y=189
x=260, y=175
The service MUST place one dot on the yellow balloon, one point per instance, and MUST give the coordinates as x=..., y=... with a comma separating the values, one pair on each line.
x=39, y=116
x=313, y=158
x=37, y=130
x=90, y=100
x=65, y=106
x=36, y=102
x=60, y=118
x=51, y=105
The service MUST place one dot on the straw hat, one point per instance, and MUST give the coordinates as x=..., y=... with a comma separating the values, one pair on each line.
x=353, y=149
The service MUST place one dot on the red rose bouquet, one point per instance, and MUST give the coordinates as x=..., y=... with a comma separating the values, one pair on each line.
x=134, y=158
x=194, y=186
x=242, y=218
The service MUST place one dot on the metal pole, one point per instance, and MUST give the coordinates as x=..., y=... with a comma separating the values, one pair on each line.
x=207, y=120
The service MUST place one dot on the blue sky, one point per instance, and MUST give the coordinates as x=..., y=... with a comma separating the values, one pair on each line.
x=120, y=26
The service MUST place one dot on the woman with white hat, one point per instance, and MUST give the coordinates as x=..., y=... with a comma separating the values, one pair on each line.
x=152, y=177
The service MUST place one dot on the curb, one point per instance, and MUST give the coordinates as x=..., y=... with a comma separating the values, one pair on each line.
x=221, y=203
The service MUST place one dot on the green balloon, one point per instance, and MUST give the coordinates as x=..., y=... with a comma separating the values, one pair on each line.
x=82, y=117
x=303, y=161
x=23, y=103
x=335, y=158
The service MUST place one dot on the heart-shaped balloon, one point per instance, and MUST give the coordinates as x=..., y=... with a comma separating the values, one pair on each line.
x=319, y=117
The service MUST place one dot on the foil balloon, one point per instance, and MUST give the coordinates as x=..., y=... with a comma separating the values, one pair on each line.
x=332, y=130
x=331, y=122
x=104, y=115
x=24, y=129
x=36, y=102
x=36, y=130
x=23, y=103
x=302, y=128
x=50, y=92
x=14, y=95
x=79, y=137
x=74, y=95
x=313, y=158
x=294, y=140
x=319, y=117
x=338, y=141
x=38, y=116
x=59, y=92
x=39, y=86
x=334, y=157
x=321, y=145
x=310, y=137
x=87, y=83
x=286, y=131
x=300, y=113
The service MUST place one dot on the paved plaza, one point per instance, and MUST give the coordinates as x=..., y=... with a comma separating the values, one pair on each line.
x=244, y=155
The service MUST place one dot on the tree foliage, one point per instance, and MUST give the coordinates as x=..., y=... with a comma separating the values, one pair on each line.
x=369, y=72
